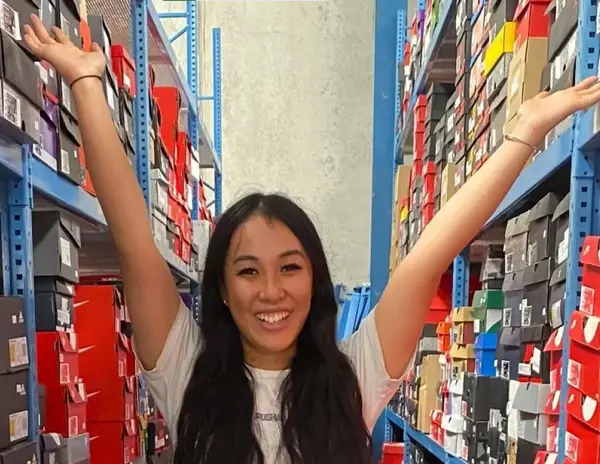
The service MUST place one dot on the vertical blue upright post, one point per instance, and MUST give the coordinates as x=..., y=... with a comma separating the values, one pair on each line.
x=386, y=14
x=460, y=280
x=5, y=237
x=192, y=77
x=139, y=20
x=216, y=36
x=584, y=195
x=20, y=204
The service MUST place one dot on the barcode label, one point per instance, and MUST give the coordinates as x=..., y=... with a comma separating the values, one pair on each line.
x=10, y=21
x=65, y=162
x=526, y=316
x=73, y=426
x=65, y=26
x=12, y=107
x=18, y=425
x=65, y=252
x=18, y=352
x=65, y=373
x=66, y=95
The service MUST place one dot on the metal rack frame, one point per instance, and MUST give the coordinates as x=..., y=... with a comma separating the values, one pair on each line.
x=578, y=146
x=27, y=180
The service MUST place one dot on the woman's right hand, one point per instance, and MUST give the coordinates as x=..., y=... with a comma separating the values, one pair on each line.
x=68, y=60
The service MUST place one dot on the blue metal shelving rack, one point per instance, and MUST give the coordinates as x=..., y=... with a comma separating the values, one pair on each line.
x=27, y=180
x=578, y=147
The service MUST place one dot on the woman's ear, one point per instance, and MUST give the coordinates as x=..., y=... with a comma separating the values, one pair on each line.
x=223, y=293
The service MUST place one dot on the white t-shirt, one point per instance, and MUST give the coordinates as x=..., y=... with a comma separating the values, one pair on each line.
x=168, y=380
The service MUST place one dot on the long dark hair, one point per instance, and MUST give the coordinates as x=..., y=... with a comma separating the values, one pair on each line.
x=321, y=407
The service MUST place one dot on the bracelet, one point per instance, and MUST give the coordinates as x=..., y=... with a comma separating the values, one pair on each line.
x=84, y=77
x=512, y=138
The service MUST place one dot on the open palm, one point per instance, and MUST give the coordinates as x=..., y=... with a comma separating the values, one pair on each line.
x=546, y=110
x=68, y=60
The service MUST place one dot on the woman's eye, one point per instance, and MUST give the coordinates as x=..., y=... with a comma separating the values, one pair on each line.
x=247, y=271
x=291, y=267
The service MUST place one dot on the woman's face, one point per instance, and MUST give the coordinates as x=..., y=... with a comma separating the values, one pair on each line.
x=268, y=288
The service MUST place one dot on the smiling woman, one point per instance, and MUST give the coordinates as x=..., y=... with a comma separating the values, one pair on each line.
x=268, y=288
x=268, y=340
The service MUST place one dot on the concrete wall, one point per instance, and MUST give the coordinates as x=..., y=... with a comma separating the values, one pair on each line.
x=297, y=111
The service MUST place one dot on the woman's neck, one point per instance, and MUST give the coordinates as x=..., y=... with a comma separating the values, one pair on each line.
x=268, y=361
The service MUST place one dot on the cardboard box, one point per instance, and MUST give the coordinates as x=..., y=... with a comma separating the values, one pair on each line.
x=525, y=73
x=69, y=138
x=13, y=408
x=53, y=304
x=514, y=290
x=24, y=452
x=56, y=244
x=448, y=188
x=502, y=43
x=541, y=232
x=536, y=280
x=69, y=17
x=13, y=336
x=516, y=243
x=16, y=14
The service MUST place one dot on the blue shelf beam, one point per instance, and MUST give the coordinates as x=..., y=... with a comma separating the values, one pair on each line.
x=174, y=15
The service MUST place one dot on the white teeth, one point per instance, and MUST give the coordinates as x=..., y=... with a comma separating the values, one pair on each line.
x=272, y=318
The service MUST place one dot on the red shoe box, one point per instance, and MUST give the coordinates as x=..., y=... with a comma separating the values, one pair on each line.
x=115, y=401
x=57, y=358
x=590, y=283
x=532, y=21
x=124, y=68
x=113, y=442
x=66, y=408
x=583, y=372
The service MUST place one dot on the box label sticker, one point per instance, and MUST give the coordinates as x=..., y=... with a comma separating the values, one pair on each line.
x=65, y=252
x=505, y=369
x=556, y=314
x=586, y=301
x=526, y=315
x=18, y=426
x=65, y=373
x=506, y=317
x=18, y=353
x=11, y=22
x=73, y=426
x=12, y=107
x=65, y=162
x=574, y=373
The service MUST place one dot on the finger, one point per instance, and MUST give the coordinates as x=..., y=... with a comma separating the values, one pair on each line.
x=586, y=83
x=543, y=95
x=32, y=43
x=30, y=33
x=40, y=30
x=96, y=48
x=593, y=89
x=60, y=36
x=588, y=100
